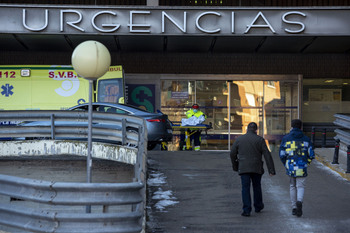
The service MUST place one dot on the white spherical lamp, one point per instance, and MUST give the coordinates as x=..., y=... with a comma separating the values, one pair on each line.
x=91, y=59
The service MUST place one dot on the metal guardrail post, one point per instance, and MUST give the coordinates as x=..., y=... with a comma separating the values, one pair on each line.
x=336, y=152
x=348, y=160
x=123, y=131
x=324, y=137
x=52, y=118
x=313, y=135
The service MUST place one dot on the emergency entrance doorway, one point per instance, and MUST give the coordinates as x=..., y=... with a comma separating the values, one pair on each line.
x=231, y=103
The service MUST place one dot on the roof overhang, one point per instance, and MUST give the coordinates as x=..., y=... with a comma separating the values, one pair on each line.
x=147, y=29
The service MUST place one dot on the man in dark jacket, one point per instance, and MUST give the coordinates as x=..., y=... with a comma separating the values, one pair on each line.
x=246, y=156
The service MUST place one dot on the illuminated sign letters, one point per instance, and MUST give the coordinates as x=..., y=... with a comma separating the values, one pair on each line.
x=170, y=21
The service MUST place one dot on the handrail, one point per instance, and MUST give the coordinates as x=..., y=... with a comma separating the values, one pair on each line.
x=115, y=129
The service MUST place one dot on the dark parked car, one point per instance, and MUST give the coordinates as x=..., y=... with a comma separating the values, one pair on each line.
x=158, y=126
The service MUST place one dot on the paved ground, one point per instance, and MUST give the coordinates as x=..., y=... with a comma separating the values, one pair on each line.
x=199, y=192
x=326, y=157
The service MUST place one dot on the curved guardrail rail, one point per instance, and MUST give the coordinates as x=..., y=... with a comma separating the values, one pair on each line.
x=115, y=128
x=343, y=133
x=106, y=194
x=48, y=210
x=342, y=138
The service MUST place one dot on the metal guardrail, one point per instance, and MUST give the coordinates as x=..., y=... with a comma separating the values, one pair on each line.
x=119, y=129
x=342, y=138
x=342, y=120
x=343, y=133
x=70, y=194
x=72, y=125
x=46, y=221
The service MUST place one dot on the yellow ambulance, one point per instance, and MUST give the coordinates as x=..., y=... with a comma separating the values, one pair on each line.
x=46, y=87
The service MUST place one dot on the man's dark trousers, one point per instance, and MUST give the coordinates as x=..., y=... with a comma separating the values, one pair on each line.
x=256, y=181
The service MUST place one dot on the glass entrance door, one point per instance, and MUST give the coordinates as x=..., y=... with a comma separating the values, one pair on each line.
x=230, y=106
x=281, y=100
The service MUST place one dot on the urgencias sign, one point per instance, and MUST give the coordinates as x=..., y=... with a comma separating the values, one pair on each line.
x=170, y=21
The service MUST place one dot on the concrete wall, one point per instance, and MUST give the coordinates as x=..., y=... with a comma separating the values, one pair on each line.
x=65, y=161
x=66, y=169
x=66, y=147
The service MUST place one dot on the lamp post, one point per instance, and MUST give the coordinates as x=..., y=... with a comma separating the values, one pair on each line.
x=90, y=60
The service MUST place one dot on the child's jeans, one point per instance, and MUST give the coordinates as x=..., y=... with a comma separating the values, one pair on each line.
x=297, y=186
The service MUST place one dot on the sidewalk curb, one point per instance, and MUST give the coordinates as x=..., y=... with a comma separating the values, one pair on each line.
x=334, y=167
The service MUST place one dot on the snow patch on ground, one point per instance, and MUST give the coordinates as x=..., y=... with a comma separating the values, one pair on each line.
x=162, y=204
x=329, y=170
x=156, y=179
x=165, y=198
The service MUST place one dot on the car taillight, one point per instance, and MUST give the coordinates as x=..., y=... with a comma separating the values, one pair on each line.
x=155, y=120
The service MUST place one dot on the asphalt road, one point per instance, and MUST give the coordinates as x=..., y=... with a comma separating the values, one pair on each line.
x=198, y=192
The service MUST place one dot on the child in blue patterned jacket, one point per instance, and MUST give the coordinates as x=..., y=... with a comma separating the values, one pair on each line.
x=296, y=153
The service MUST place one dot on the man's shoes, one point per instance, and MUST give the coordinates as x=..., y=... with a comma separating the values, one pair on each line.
x=245, y=214
x=299, y=211
x=294, y=211
x=259, y=210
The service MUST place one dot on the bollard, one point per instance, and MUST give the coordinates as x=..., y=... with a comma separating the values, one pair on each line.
x=336, y=152
x=348, y=160
x=324, y=137
x=313, y=135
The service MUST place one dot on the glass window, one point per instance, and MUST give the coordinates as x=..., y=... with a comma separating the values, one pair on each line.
x=231, y=105
x=212, y=97
x=281, y=106
x=324, y=98
x=176, y=97
x=110, y=90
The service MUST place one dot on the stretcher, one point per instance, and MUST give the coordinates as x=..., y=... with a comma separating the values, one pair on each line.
x=189, y=131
